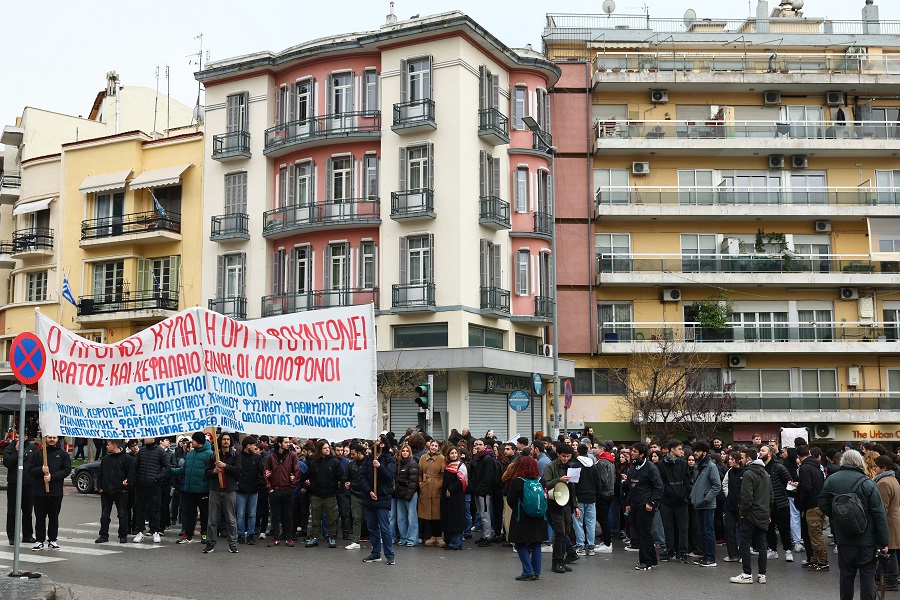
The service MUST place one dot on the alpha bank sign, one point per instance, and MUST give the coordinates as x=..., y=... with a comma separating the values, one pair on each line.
x=497, y=383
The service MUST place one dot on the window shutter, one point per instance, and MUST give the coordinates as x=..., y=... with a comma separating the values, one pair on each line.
x=242, y=273
x=240, y=200
x=495, y=91
x=174, y=273
x=348, y=262
x=220, y=277
x=429, y=78
x=329, y=174
x=312, y=182
x=483, y=173
x=404, y=260
x=353, y=89
x=231, y=114
x=403, y=169
x=495, y=182
x=431, y=258
x=276, y=279
x=430, y=166
x=360, y=265
x=278, y=106
x=291, y=184
x=374, y=266
x=326, y=274
x=483, y=76
x=483, y=260
x=495, y=272
x=329, y=95
x=292, y=271
x=292, y=111
x=230, y=185
x=539, y=112
x=245, y=112
x=144, y=280
x=404, y=82
x=353, y=176
x=547, y=111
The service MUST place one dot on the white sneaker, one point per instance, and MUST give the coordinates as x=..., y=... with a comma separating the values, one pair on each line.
x=581, y=552
x=604, y=549
x=632, y=549
x=352, y=546
x=742, y=578
x=788, y=557
x=157, y=538
x=761, y=578
x=798, y=547
x=262, y=535
x=139, y=537
x=37, y=546
x=754, y=552
x=547, y=548
x=772, y=554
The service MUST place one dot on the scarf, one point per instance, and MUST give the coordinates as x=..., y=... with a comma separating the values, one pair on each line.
x=461, y=473
x=883, y=475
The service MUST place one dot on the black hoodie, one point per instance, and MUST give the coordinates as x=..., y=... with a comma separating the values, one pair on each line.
x=60, y=466
x=676, y=480
x=114, y=469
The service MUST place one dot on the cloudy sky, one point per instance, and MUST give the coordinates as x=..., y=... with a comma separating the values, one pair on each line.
x=58, y=52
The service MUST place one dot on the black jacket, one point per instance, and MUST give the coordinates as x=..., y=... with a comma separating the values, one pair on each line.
x=588, y=486
x=152, y=465
x=11, y=462
x=644, y=485
x=407, y=479
x=809, y=485
x=60, y=466
x=253, y=470
x=780, y=477
x=483, y=474
x=733, y=500
x=325, y=475
x=232, y=473
x=352, y=475
x=387, y=471
x=114, y=469
x=756, y=495
x=676, y=480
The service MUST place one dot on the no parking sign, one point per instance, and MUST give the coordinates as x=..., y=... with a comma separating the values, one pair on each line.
x=27, y=358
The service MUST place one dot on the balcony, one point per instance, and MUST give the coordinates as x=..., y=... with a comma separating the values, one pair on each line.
x=32, y=243
x=317, y=131
x=282, y=304
x=231, y=146
x=413, y=204
x=543, y=225
x=797, y=270
x=495, y=300
x=144, y=228
x=493, y=126
x=10, y=187
x=542, y=142
x=6, y=259
x=352, y=212
x=413, y=296
x=141, y=305
x=228, y=228
x=736, y=138
x=817, y=401
x=232, y=306
x=414, y=117
x=543, y=306
x=494, y=213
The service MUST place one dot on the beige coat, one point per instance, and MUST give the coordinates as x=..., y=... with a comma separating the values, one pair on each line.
x=889, y=488
x=431, y=478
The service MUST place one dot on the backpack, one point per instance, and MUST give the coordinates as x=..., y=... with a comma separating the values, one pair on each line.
x=848, y=513
x=534, y=499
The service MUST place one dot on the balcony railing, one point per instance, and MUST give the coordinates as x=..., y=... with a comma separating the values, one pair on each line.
x=542, y=142
x=128, y=301
x=692, y=332
x=543, y=224
x=494, y=211
x=350, y=211
x=10, y=180
x=232, y=306
x=817, y=401
x=144, y=222
x=235, y=226
x=415, y=113
x=412, y=203
x=310, y=129
x=740, y=196
x=743, y=263
x=493, y=124
x=31, y=240
x=731, y=130
x=7, y=248
x=231, y=145
x=543, y=306
x=410, y=295
x=282, y=304
x=496, y=299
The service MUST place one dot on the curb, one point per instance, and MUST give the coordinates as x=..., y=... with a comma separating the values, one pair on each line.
x=32, y=589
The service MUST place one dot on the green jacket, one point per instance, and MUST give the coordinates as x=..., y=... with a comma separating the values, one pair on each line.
x=757, y=498
x=877, y=533
x=552, y=474
x=194, y=470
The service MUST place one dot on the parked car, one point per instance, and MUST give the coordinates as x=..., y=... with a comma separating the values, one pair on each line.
x=86, y=478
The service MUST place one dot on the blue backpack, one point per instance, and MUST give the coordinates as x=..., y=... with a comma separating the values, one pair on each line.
x=534, y=499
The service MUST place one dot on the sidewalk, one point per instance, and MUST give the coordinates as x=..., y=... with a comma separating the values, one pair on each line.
x=13, y=588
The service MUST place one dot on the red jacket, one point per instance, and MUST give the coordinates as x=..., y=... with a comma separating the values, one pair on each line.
x=280, y=471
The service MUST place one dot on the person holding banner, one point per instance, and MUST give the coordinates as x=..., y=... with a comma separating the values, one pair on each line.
x=196, y=487
x=223, y=471
x=376, y=478
x=152, y=466
x=282, y=476
x=116, y=474
x=48, y=470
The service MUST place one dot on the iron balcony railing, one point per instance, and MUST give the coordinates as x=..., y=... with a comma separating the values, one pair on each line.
x=494, y=298
x=543, y=306
x=344, y=212
x=770, y=332
x=235, y=143
x=10, y=180
x=541, y=141
x=143, y=222
x=495, y=210
x=29, y=240
x=336, y=125
x=412, y=294
x=286, y=303
x=232, y=306
x=735, y=195
x=611, y=130
x=414, y=112
x=543, y=224
x=412, y=203
x=743, y=263
x=492, y=122
x=229, y=227
x=128, y=301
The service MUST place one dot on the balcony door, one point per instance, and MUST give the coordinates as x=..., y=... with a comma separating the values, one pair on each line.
x=416, y=177
x=337, y=275
x=416, y=90
x=809, y=188
x=339, y=179
x=698, y=252
x=341, y=101
x=416, y=269
x=108, y=286
x=806, y=121
x=109, y=210
x=299, y=296
x=615, y=321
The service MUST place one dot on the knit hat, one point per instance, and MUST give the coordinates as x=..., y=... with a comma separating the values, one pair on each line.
x=198, y=437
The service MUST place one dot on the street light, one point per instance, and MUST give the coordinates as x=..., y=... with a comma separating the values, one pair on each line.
x=547, y=145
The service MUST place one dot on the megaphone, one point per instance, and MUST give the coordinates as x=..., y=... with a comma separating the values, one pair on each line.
x=561, y=494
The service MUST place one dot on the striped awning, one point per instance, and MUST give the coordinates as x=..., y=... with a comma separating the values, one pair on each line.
x=104, y=183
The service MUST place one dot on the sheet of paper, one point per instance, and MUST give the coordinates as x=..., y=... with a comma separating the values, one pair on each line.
x=574, y=475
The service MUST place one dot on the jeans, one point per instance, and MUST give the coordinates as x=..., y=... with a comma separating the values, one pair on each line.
x=530, y=555
x=586, y=526
x=675, y=521
x=642, y=521
x=604, y=512
x=405, y=519
x=659, y=533
x=706, y=529
x=752, y=536
x=852, y=559
x=280, y=502
x=120, y=501
x=221, y=504
x=485, y=510
x=454, y=539
x=245, y=507
x=378, y=520
x=46, y=517
x=470, y=522
x=147, y=501
x=795, y=523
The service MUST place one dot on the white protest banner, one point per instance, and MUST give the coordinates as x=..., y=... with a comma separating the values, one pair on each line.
x=307, y=374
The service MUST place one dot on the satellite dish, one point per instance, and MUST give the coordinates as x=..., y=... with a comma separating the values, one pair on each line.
x=609, y=6
x=690, y=15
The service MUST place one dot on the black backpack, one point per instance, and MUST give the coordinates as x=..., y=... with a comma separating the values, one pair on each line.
x=848, y=514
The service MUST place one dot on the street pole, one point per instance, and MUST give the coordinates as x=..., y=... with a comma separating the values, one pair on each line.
x=531, y=394
x=555, y=317
x=429, y=414
x=20, y=481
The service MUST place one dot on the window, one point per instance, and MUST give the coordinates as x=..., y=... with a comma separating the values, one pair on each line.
x=484, y=337
x=158, y=275
x=304, y=94
x=339, y=179
x=816, y=325
x=418, y=260
x=230, y=276
x=368, y=262
x=599, y=381
x=749, y=187
x=370, y=96
x=615, y=319
x=420, y=336
x=108, y=210
x=543, y=192
x=527, y=344
x=370, y=177
x=543, y=109
x=695, y=186
x=521, y=189
x=236, y=112
x=108, y=280
x=519, y=107
x=893, y=377
x=170, y=200
x=818, y=389
x=36, y=286
x=523, y=258
x=416, y=79
x=298, y=186
x=613, y=252
x=301, y=270
x=884, y=235
x=491, y=257
x=612, y=185
x=545, y=274
x=762, y=326
x=762, y=388
x=488, y=88
x=892, y=325
x=887, y=185
x=235, y=193
x=337, y=267
x=885, y=118
x=698, y=252
x=489, y=175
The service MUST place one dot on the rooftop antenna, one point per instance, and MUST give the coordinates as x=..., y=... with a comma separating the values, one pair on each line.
x=690, y=15
x=156, y=101
x=609, y=6
x=197, y=59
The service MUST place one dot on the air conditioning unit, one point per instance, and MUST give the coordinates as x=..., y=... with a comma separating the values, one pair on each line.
x=772, y=98
x=659, y=96
x=547, y=350
x=849, y=294
x=824, y=432
x=799, y=161
x=823, y=226
x=640, y=168
x=671, y=295
x=737, y=361
x=776, y=161
x=834, y=99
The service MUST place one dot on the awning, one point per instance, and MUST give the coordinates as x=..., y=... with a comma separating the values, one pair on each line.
x=102, y=183
x=158, y=177
x=31, y=207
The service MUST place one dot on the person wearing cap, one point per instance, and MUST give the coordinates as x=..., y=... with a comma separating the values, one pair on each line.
x=560, y=516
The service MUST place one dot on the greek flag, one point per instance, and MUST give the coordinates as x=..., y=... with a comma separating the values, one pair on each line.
x=158, y=206
x=156, y=282
x=67, y=291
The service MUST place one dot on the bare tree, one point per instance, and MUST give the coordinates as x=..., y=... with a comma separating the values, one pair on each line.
x=395, y=381
x=705, y=411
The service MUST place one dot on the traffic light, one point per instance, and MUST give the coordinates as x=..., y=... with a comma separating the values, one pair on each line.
x=422, y=394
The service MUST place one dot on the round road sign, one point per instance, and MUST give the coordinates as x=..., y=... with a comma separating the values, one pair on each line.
x=27, y=358
x=518, y=400
x=567, y=390
x=537, y=382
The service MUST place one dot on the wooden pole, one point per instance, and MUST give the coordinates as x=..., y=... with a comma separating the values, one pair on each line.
x=216, y=448
x=44, y=450
x=375, y=469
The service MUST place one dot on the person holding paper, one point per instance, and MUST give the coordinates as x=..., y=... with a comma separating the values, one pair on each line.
x=560, y=517
x=587, y=484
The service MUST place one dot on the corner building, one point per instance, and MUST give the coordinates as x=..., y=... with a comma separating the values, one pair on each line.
x=393, y=167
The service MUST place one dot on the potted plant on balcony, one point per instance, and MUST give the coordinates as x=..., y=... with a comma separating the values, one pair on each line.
x=713, y=315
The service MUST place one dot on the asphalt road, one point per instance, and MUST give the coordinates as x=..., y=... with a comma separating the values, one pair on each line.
x=147, y=571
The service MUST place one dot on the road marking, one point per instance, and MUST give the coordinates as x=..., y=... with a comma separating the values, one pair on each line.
x=88, y=551
x=67, y=530
x=30, y=557
x=91, y=524
x=113, y=540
